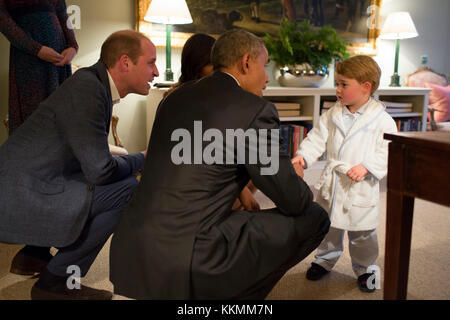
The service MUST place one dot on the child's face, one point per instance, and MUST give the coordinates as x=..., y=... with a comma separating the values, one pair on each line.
x=350, y=92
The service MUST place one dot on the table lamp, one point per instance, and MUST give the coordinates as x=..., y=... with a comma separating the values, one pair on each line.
x=398, y=25
x=168, y=12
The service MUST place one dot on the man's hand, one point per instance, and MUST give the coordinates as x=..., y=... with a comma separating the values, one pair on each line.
x=144, y=153
x=299, y=159
x=68, y=55
x=298, y=169
x=248, y=201
x=50, y=55
x=357, y=172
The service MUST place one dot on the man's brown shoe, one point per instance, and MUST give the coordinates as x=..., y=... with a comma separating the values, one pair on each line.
x=84, y=293
x=25, y=264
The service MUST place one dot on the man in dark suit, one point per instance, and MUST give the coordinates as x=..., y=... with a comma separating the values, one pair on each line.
x=60, y=186
x=178, y=237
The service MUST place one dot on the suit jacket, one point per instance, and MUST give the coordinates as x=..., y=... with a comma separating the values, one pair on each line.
x=176, y=205
x=50, y=165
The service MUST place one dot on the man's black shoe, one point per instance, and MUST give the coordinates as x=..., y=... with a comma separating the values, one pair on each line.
x=28, y=263
x=84, y=293
x=315, y=272
x=362, y=283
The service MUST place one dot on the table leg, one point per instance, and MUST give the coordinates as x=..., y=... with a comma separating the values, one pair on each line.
x=399, y=216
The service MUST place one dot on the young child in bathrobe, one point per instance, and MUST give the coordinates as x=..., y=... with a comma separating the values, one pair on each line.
x=351, y=133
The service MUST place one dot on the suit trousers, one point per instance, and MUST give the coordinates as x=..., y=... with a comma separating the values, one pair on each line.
x=310, y=230
x=363, y=247
x=108, y=203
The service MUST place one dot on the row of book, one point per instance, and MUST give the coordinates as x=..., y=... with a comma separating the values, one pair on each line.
x=287, y=109
x=393, y=108
x=326, y=105
x=293, y=135
x=405, y=125
x=397, y=107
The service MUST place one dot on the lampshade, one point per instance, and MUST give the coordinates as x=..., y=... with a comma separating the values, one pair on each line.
x=168, y=12
x=398, y=25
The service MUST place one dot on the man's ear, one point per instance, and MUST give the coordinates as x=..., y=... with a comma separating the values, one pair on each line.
x=245, y=61
x=124, y=62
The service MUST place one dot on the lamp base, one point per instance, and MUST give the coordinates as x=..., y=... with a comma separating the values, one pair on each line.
x=168, y=75
x=395, y=80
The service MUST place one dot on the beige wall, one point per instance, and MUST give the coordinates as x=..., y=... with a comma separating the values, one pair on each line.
x=431, y=20
x=99, y=18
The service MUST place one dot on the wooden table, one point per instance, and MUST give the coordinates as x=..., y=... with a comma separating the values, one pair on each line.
x=418, y=166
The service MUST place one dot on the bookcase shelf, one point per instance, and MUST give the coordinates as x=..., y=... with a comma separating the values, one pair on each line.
x=284, y=119
x=310, y=100
x=406, y=115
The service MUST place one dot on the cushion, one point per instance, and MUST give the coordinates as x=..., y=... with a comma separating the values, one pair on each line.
x=439, y=99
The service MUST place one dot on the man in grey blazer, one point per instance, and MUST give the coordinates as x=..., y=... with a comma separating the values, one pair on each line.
x=59, y=184
x=178, y=237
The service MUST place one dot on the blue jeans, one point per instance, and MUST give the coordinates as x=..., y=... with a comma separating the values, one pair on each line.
x=108, y=203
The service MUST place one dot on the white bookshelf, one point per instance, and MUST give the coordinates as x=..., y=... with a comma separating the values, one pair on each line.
x=311, y=98
x=296, y=118
x=310, y=101
x=406, y=115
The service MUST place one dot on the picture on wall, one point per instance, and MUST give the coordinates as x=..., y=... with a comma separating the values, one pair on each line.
x=356, y=21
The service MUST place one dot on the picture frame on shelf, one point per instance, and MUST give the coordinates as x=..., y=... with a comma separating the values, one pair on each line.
x=358, y=22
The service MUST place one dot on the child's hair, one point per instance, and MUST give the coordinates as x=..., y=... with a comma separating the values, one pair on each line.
x=361, y=68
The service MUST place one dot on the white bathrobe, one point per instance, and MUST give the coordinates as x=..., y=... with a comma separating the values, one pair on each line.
x=352, y=206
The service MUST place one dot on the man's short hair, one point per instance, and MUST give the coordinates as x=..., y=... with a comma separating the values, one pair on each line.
x=126, y=42
x=361, y=68
x=232, y=45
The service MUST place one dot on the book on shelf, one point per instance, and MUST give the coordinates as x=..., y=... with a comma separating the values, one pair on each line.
x=392, y=104
x=292, y=136
x=288, y=113
x=408, y=125
x=326, y=105
x=287, y=105
x=398, y=107
x=398, y=110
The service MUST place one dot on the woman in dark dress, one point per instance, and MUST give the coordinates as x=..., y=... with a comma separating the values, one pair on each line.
x=42, y=48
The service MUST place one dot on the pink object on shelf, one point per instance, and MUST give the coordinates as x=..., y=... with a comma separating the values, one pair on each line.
x=439, y=100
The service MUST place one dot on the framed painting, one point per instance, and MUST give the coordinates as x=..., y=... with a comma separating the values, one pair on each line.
x=358, y=22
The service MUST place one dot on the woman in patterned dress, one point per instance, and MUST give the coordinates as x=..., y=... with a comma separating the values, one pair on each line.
x=42, y=48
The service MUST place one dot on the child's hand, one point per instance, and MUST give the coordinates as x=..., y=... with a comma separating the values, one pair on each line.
x=248, y=201
x=357, y=172
x=299, y=159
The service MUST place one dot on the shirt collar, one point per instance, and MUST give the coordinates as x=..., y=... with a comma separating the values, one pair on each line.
x=114, y=92
x=232, y=77
x=360, y=111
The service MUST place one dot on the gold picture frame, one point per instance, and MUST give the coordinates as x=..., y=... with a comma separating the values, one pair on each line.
x=158, y=35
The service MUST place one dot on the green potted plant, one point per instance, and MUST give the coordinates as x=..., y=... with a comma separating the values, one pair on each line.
x=304, y=54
